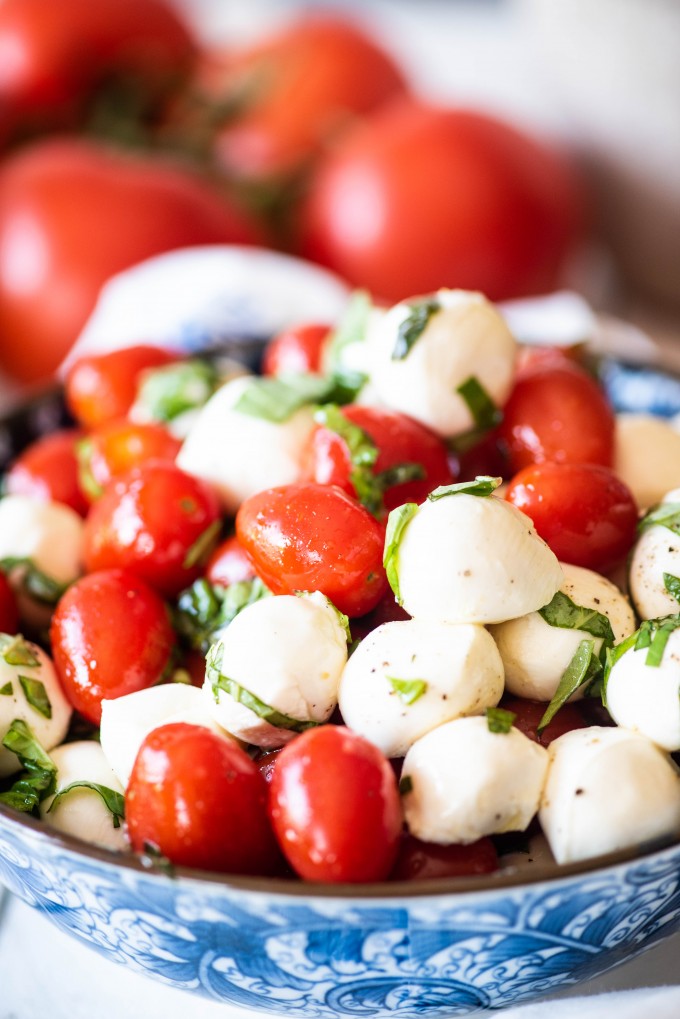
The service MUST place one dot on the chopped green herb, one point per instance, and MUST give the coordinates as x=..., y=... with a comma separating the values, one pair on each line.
x=277, y=399
x=562, y=612
x=7, y=690
x=654, y=634
x=36, y=695
x=167, y=392
x=483, y=486
x=405, y=785
x=203, y=609
x=113, y=800
x=86, y=479
x=413, y=326
x=37, y=584
x=583, y=668
x=202, y=547
x=39, y=777
x=672, y=585
x=408, y=690
x=499, y=720
x=397, y=523
x=666, y=514
x=17, y=651
x=485, y=413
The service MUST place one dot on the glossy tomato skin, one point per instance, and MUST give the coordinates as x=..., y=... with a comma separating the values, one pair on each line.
x=298, y=349
x=48, y=470
x=399, y=440
x=110, y=635
x=72, y=214
x=103, y=387
x=9, y=613
x=156, y=521
x=584, y=512
x=559, y=413
x=528, y=715
x=201, y=801
x=310, y=537
x=335, y=807
x=417, y=198
x=426, y=861
x=117, y=446
x=229, y=563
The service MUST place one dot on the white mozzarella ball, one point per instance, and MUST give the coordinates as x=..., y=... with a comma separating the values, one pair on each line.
x=647, y=456
x=535, y=654
x=21, y=689
x=607, y=789
x=288, y=654
x=465, y=782
x=465, y=338
x=127, y=721
x=646, y=698
x=241, y=454
x=656, y=551
x=473, y=559
x=83, y=812
x=407, y=677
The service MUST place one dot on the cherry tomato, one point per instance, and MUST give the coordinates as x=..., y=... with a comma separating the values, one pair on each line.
x=102, y=387
x=229, y=564
x=116, y=446
x=48, y=469
x=417, y=198
x=266, y=762
x=73, y=213
x=156, y=521
x=201, y=801
x=557, y=413
x=110, y=635
x=9, y=613
x=53, y=55
x=335, y=807
x=528, y=715
x=310, y=537
x=420, y=861
x=399, y=441
x=488, y=456
x=584, y=512
x=298, y=349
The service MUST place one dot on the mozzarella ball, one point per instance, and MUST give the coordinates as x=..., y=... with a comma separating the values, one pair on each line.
x=21, y=689
x=288, y=654
x=473, y=559
x=536, y=654
x=647, y=456
x=466, y=781
x=82, y=812
x=407, y=677
x=240, y=454
x=656, y=551
x=646, y=698
x=465, y=338
x=607, y=789
x=127, y=721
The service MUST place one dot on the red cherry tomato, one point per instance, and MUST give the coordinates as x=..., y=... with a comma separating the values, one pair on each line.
x=156, y=521
x=312, y=537
x=201, y=801
x=48, y=469
x=229, y=564
x=335, y=807
x=9, y=613
x=489, y=456
x=557, y=413
x=115, y=447
x=102, y=387
x=584, y=512
x=420, y=861
x=528, y=715
x=400, y=442
x=417, y=198
x=298, y=349
x=73, y=213
x=110, y=635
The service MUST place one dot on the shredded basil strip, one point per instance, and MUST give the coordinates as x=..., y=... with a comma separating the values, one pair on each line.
x=36, y=695
x=350, y=330
x=564, y=613
x=249, y=700
x=483, y=486
x=583, y=668
x=408, y=690
x=17, y=651
x=39, y=585
x=113, y=800
x=277, y=398
x=203, y=609
x=167, y=392
x=653, y=634
x=499, y=720
x=413, y=326
x=484, y=411
x=666, y=514
x=86, y=479
x=672, y=585
x=405, y=785
x=203, y=545
x=397, y=522
x=39, y=778
x=7, y=690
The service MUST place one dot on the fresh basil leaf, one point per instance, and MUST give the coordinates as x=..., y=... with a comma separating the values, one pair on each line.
x=653, y=634
x=36, y=695
x=350, y=330
x=582, y=670
x=113, y=800
x=17, y=651
x=7, y=690
x=39, y=778
x=397, y=522
x=203, y=545
x=167, y=392
x=405, y=785
x=363, y=451
x=564, y=613
x=413, y=326
x=400, y=474
x=485, y=414
x=86, y=479
x=346, y=385
x=666, y=514
x=39, y=585
x=672, y=585
x=499, y=720
x=483, y=486
x=277, y=398
x=203, y=609
x=408, y=690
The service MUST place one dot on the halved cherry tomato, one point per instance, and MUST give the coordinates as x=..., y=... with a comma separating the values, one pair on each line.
x=9, y=613
x=420, y=861
x=558, y=413
x=48, y=469
x=103, y=387
x=584, y=512
x=335, y=807
x=310, y=537
x=229, y=563
x=110, y=635
x=156, y=521
x=116, y=446
x=298, y=349
x=200, y=800
x=528, y=715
